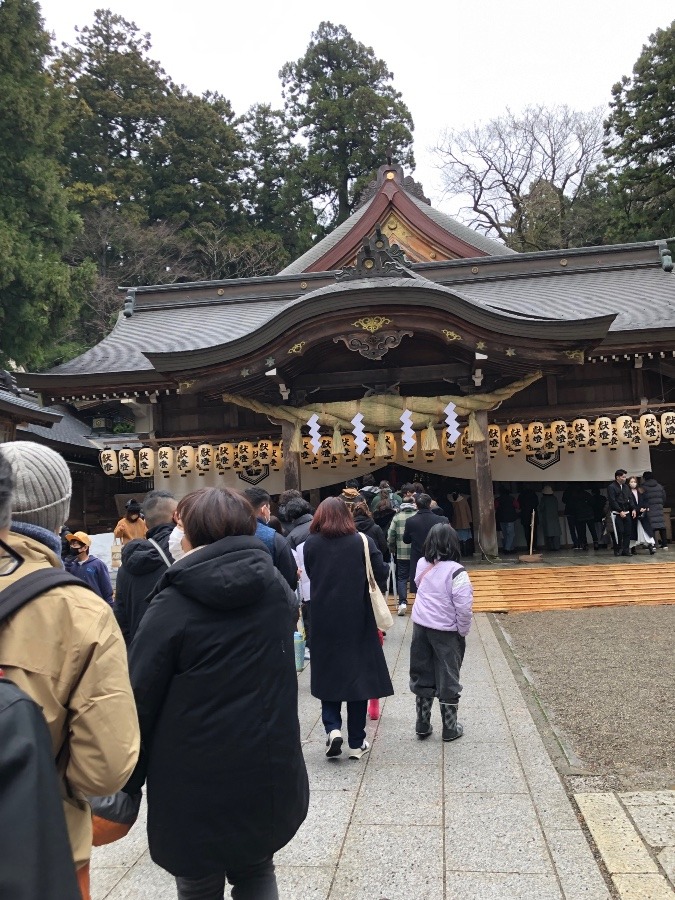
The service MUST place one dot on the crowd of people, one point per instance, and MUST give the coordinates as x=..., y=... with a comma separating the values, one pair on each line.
x=184, y=682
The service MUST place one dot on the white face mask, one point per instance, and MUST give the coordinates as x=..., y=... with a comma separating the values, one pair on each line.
x=175, y=545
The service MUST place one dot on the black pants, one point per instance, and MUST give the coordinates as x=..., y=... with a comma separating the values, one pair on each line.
x=663, y=539
x=581, y=526
x=624, y=528
x=256, y=882
x=435, y=660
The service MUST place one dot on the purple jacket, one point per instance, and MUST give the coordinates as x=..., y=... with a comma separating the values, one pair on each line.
x=93, y=572
x=444, y=596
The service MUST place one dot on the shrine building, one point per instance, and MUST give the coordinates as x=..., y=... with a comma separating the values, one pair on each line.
x=401, y=339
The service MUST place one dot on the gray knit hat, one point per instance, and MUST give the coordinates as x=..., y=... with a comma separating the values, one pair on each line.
x=42, y=487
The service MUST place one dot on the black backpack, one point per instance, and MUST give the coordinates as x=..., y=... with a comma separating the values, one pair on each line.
x=30, y=586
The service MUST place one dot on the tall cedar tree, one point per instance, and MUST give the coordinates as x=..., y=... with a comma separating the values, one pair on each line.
x=640, y=145
x=272, y=184
x=340, y=98
x=38, y=290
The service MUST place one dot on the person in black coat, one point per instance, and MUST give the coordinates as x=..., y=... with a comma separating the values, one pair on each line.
x=143, y=563
x=415, y=533
x=622, y=510
x=365, y=523
x=348, y=664
x=299, y=515
x=213, y=671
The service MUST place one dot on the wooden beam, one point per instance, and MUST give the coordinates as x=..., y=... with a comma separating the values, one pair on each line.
x=407, y=375
x=487, y=526
x=552, y=390
x=291, y=460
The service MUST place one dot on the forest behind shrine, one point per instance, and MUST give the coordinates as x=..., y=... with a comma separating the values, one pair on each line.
x=112, y=174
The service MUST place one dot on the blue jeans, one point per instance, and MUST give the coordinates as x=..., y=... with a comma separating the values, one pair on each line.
x=356, y=719
x=402, y=576
x=508, y=535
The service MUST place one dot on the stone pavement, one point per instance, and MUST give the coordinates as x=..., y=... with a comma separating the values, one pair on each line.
x=480, y=818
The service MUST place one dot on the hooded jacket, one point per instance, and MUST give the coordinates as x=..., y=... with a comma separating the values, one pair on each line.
x=142, y=567
x=299, y=531
x=369, y=527
x=65, y=650
x=213, y=671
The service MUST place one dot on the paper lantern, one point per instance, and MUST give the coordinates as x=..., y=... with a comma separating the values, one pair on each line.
x=582, y=431
x=307, y=454
x=636, y=438
x=535, y=436
x=127, y=463
x=614, y=442
x=265, y=451
x=108, y=460
x=549, y=446
x=603, y=430
x=146, y=462
x=571, y=445
x=409, y=456
x=224, y=457
x=369, y=452
x=494, y=439
x=243, y=455
x=165, y=460
x=668, y=427
x=185, y=460
x=277, y=456
x=465, y=445
x=624, y=426
x=506, y=445
x=559, y=433
x=349, y=457
x=204, y=458
x=650, y=428
x=390, y=439
x=516, y=434
x=593, y=443
x=448, y=448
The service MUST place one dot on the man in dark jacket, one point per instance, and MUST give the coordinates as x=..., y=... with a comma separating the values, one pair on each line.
x=655, y=497
x=415, y=533
x=92, y=570
x=623, y=511
x=299, y=515
x=277, y=545
x=143, y=563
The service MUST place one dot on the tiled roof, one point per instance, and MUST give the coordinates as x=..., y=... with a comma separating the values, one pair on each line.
x=468, y=235
x=18, y=405
x=68, y=431
x=318, y=250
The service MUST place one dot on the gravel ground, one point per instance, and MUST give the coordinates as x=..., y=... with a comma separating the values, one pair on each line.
x=606, y=681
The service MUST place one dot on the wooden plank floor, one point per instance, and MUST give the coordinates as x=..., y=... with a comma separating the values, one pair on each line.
x=571, y=587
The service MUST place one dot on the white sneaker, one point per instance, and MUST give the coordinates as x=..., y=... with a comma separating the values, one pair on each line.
x=360, y=751
x=334, y=744
x=402, y=607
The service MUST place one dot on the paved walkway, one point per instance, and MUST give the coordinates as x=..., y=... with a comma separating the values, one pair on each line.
x=480, y=818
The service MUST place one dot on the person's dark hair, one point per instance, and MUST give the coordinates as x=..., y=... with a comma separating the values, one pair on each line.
x=352, y=483
x=407, y=489
x=647, y=475
x=385, y=486
x=361, y=509
x=210, y=514
x=274, y=523
x=620, y=472
x=384, y=504
x=368, y=480
x=295, y=508
x=257, y=497
x=442, y=543
x=423, y=501
x=333, y=518
x=285, y=496
x=6, y=489
x=133, y=508
x=158, y=508
x=418, y=487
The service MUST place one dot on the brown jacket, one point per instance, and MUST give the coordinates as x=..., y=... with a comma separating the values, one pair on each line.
x=65, y=650
x=128, y=531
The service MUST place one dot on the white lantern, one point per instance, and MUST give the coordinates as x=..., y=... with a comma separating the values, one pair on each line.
x=369, y=452
x=243, y=455
x=614, y=443
x=277, y=457
x=516, y=434
x=465, y=445
x=204, y=460
x=636, y=438
x=506, y=445
x=571, y=440
x=307, y=454
x=559, y=433
x=535, y=436
x=127, y=463
x=668, y=427
x=409, y=456
x=593, y=443
x=448, y=448
x=390, y=439
x=185, y=460
x=624, y=426
x=108, y=461
x=603, y=430
x=349, y=446
x=650, y=428
x=224, y=457
x=146, y=462
x=582, y=431
x=265, y=451
x=165, y=460
x=494, y=439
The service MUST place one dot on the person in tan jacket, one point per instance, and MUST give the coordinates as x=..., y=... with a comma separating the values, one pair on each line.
x=64, y=647
x=132, y=525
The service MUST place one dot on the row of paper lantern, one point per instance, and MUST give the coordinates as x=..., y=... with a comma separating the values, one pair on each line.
x=536, y=437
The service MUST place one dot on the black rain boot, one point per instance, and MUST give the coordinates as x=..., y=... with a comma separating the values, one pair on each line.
x=423, y=727
x=451, y=727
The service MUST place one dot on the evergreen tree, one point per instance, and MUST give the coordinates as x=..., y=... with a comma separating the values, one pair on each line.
x=342, y=103
x=640, y=147
x=38, y=291
x=272, y=181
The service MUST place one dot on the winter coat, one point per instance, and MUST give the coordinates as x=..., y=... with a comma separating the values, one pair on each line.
x=299, y=531
x=142, y=567
x=528, y=501
x=397, y=530
x=65, y=650
x=392, y=496
x=280, y=551
x=383, y=518
x=655, y=497
x=213, y=671
x=415, y=533
x=580, y=506
x=619, y=497
x=444, y=596
x=129, y=531
x=368, y=526
x=37, y=863
x=549, y=518
x=94, y=572
x=506, y=508
x=347, y=659
x=461, y=513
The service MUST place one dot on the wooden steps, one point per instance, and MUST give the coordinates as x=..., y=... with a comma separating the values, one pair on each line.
x=543, y=588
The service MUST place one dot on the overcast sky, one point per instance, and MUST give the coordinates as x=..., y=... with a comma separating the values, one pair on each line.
x=454, y=63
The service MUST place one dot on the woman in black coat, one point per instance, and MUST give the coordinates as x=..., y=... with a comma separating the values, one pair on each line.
x=213, y=671
x=347, y=659
x=365, y=523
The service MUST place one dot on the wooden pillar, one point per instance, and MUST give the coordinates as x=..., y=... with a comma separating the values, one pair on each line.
x=291, y=460
x=487, y=527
